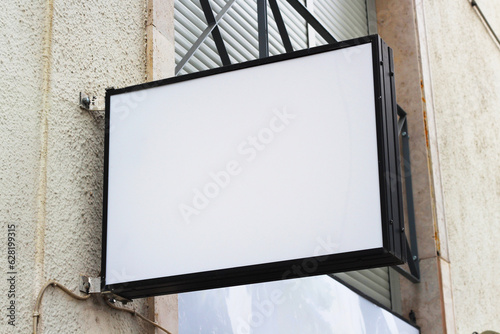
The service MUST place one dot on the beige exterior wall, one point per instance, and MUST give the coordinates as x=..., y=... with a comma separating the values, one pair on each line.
x=448, y=80
x=464, y=69
x=445, y=48
x=22, y=76
x=52, y=151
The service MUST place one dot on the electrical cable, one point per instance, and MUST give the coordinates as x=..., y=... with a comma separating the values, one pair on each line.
x=474, y=4
x=133, y=312
x=36, y=310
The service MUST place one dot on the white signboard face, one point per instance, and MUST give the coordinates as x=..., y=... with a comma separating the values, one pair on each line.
x=231, y=173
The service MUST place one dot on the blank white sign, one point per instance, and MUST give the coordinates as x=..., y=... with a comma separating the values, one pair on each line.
x=265, y=164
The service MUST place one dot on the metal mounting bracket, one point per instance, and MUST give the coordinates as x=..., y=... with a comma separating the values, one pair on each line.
x=114, y=297
x=90, y=285
x=411, y=240
x=92, y=103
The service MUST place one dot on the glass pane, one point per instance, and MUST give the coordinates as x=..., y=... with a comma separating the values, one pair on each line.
x=310, y=305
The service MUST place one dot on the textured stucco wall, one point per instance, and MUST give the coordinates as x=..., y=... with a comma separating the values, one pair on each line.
x=52, y=152
x=21, y=66
x=465, y=74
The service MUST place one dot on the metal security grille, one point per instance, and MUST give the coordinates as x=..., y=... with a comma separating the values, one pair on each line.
x=344, y=19
x=238, y=25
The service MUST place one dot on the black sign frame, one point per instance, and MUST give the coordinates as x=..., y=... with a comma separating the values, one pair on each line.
x=393, y=251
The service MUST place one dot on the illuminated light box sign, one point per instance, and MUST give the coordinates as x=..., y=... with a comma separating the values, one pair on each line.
x=272, y=169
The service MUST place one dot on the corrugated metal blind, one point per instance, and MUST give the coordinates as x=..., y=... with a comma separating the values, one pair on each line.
x=374, y=283
x=344, y=19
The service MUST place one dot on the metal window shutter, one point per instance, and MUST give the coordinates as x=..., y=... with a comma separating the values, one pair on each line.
x=344, y=19
x=375, y=283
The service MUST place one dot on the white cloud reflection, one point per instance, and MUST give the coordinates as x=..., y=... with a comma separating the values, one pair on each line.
x=308, y=305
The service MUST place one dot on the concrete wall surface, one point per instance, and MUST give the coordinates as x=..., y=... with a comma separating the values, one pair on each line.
x=51, y=165
x=464, y=65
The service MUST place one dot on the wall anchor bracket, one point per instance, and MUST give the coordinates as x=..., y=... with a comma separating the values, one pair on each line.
x=114, y=298
x=92, y=103
x=90, y=285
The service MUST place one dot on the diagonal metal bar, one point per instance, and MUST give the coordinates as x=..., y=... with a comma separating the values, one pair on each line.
x=281, y=25
x=311, y=33
x=401, y=124
x=412, y=261
x=402, y=119
x=263, y=28
x=414, y=274
x=312, y=20
x=409, y=195
x=219, y=43
x=202, y=37
x=412, y=252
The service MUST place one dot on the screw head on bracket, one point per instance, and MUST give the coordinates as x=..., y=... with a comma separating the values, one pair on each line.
x=86, y=101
